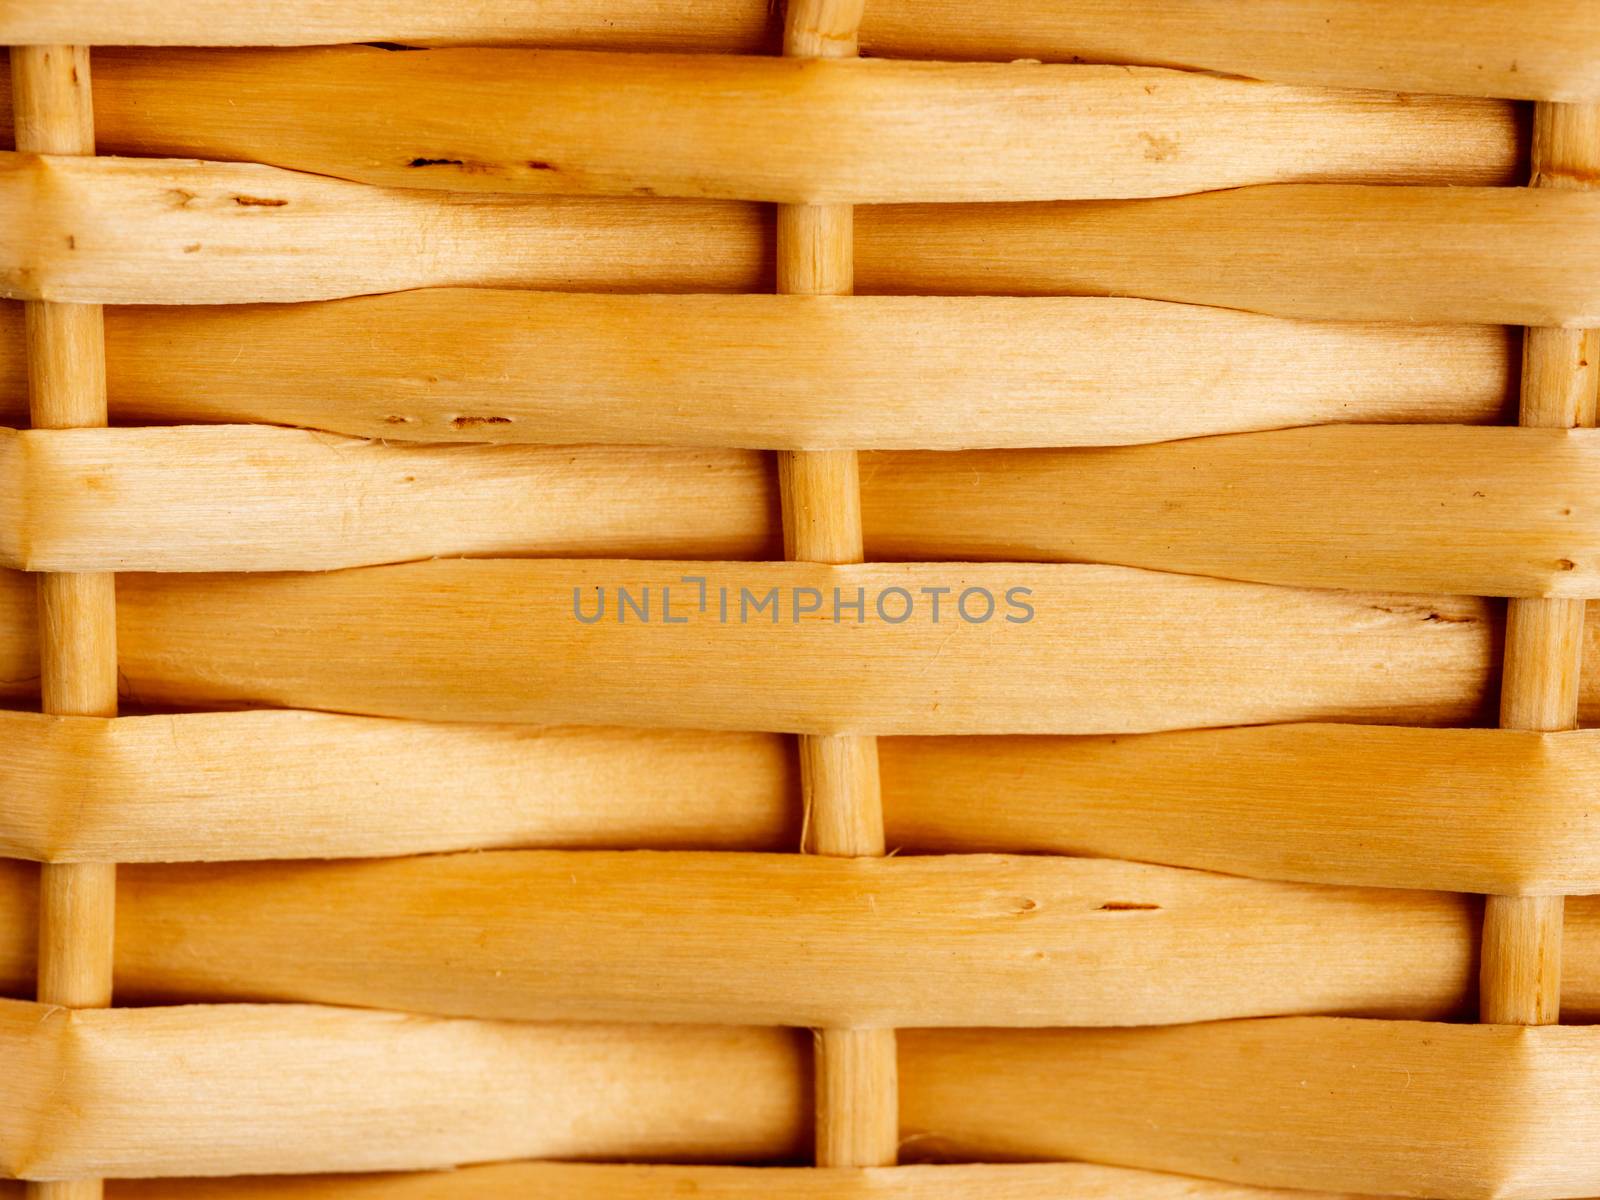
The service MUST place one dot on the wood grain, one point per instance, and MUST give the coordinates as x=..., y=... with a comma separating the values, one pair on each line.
x=224, y=1090
x=902, y=372
x=1381, y=806
x=1534, y=49
x=298, y=784
x=1426, y=509
x=1520, y=981
x=786, y=939
x=1416, y=1108
x=867, y=131
x=1296, y=1099
x=585, y=1181
x=165, y=231
x=1109, y=649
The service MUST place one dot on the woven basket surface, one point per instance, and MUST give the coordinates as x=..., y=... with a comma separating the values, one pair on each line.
x=916, y=600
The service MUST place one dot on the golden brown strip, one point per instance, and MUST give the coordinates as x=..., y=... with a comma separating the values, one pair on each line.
x=1520, y=981
x=298, y=784
x=481, y=365
x=65, y=354
x=1533, y=49
x=1272, y=802
x=1468, y=810
x=1107, y=649
x=785, y=939
x=590, y=1181
x=1426, y=509
x=1325, y=251
x=165, y=231
x=225, y=233
x=764, y=128
x=1418, y=1108
x=146, y=499
x=1281, y=1102
x=248, y=1088
x=1485, y=512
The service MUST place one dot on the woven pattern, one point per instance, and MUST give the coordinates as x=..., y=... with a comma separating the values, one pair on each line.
x=657, y=598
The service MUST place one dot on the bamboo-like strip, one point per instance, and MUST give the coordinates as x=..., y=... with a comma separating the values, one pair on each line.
x=165, y=231
x=1456, y=810
x=1420, y=1109
x=297, y=784
x=1107, y=649
x=1491, y=512
x=1468, y=810
x=867, y=131
x=278, y=1088
x=590, y=1181
x=1325, y=251
x=76, y=500
x=1520, y=981
x=787, y=939
x=226, y=233
x=65, y=353
x=1534, y=49
x=901, y=372
x=856, y=1080
x=1452, y=509
x=1461, y=1111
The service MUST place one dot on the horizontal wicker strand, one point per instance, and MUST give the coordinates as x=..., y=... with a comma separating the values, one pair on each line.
x=905, y=372
x=1296, y=1101
x=1534, y=49
x=227, y=497
x=169, y=231
x=781, y=939
x=1415, y=1108
x=845, y=130
x=588, y=1181
x=1108, y=649
x=227, y=1090
x=1461, y=810
x=1426, y=509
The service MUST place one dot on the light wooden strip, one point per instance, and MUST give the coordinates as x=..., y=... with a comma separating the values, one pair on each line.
x=1457, y=810
x=257, y=498
x=856, y=1084
x=298, y=784
x=1423, y=1109
x=1467, y=810
x=763, y=128
x=171, y=231
x=247, y=1088
x=589, y=1181
x=1490, y=512
x=65, y=351
x=785, y=939
x=900, y=372
x=1444, y=1110
x=1533, y=49
x=176, y=232
x=1456, y=509
x=1329, y=252
x=1425, y=956
x=1520, y=981
x=1108, y=649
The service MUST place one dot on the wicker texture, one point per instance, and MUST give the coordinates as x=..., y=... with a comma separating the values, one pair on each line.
x=1190, y=333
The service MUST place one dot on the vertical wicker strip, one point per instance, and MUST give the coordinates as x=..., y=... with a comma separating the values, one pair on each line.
x=1520, y=982
x=857, y=1092
x=77, y=613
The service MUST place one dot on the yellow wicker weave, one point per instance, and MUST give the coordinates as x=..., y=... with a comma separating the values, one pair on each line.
x=621, y=533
